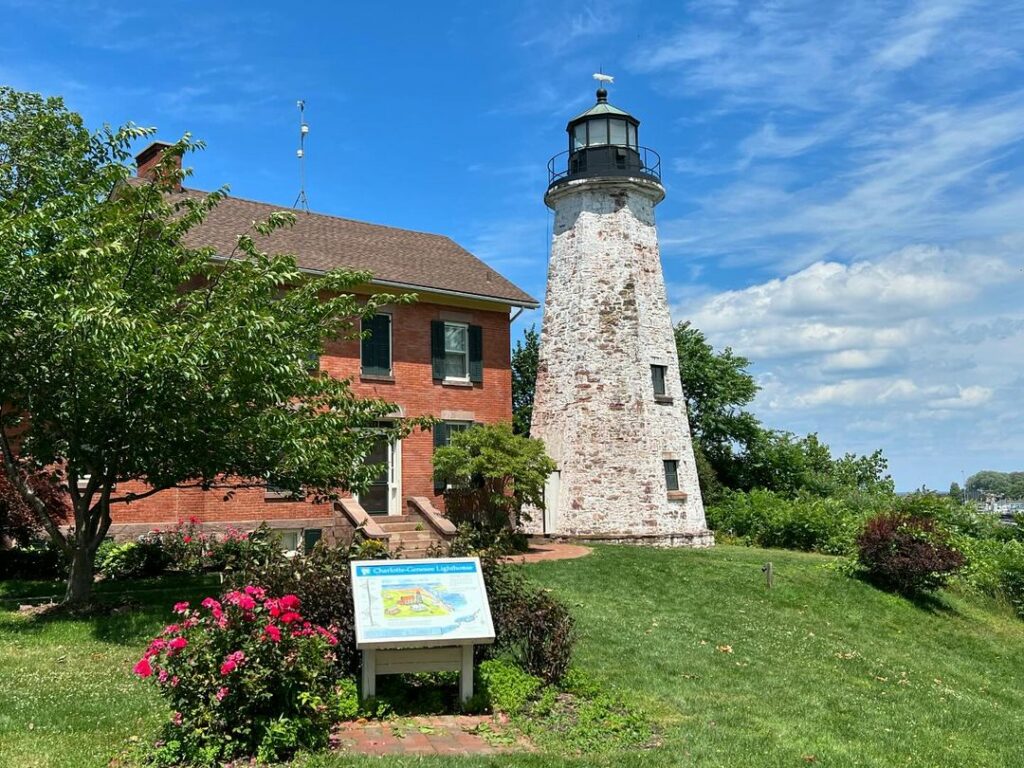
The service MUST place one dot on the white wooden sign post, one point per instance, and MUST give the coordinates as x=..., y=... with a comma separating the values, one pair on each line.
x=420, y=616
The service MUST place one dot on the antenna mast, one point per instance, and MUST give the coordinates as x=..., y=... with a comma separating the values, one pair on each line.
x=301, y=201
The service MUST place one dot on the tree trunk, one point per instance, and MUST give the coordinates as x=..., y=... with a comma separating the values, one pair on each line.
x=80, y=579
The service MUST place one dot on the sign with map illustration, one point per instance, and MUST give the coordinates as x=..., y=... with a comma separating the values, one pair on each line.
x=418, y=603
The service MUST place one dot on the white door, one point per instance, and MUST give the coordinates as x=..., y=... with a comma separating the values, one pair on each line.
x=552, y=488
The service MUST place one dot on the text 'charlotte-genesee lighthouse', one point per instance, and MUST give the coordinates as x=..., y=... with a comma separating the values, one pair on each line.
x=609, y=404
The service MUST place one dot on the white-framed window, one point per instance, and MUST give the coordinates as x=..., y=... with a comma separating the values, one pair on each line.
x=289, y=541
x=456, y=351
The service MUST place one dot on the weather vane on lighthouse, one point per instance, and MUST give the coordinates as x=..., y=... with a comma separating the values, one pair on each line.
x=602, y=78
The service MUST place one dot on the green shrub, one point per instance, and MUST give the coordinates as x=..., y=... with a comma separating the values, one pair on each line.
x=133, y=559
x=38, y=559
x=246, y=675
x=490, y=474
x=370, y=549
x=530, y=625
x=505, y=686
x=995, y=567
x=810, y=523
x=347, y=701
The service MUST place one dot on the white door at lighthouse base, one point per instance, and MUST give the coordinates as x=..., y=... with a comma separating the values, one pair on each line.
x=552, y=487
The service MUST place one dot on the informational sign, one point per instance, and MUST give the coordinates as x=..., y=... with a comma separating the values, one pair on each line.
x=420, y=603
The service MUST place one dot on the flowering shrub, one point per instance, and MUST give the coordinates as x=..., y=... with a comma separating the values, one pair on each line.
x=322, y=580
x=192, y=550
x=246, y=676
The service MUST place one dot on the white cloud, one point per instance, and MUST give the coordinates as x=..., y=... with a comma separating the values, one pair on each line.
x=916, y=33
x=920, y=347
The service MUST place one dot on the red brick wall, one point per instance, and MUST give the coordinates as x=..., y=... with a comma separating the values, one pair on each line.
x=413, y=389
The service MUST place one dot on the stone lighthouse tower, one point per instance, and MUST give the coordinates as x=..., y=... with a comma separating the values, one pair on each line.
x=608, y=402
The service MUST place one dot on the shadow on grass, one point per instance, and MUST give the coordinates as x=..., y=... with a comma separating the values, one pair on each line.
x=410, y=695
x=930, y=602
x=121, y=613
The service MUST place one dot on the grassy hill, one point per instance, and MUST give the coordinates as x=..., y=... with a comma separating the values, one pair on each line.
x=821, y=670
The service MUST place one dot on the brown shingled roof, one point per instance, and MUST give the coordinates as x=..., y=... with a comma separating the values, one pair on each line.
x=394, y=256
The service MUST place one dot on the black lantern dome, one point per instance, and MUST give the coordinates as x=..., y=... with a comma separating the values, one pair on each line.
x=603, y=141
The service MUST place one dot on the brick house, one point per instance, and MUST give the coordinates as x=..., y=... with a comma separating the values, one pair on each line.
x=447, y=355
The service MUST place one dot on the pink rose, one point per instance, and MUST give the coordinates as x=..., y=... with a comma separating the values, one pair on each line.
x=222, y=692
x=273, y=633
x=177, y=719
x=180, y=607
x=328, y=636
x=143, y=668
x=243, y=601
x=288, y=617
x=231, y=662
x=177, y=643
x=257, y=593
x=213, y=606
x=290, y=603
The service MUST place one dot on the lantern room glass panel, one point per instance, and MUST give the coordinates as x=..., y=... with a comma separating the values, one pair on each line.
x=579, y=136
x=598, y=132
x=631, y=130
x=618, y=132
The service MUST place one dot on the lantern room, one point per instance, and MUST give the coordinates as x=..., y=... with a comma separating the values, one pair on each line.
x=603, y=141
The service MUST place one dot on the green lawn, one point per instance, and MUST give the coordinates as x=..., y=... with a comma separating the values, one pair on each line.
x=823, y=670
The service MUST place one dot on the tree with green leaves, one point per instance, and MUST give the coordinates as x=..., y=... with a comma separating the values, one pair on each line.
x=524, y=379
x=132, y=363
x=1009, y=485
x=491, y=474
x=718, y=387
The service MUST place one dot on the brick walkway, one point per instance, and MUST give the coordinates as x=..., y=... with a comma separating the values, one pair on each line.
x=546, y=549
x=432, y=735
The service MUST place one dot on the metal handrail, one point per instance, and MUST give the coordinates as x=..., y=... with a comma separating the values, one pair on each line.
x=649, y=163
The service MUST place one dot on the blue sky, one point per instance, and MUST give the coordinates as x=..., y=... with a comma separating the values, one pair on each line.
x=845, y=180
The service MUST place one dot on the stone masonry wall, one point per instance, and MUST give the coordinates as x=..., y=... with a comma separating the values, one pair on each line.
x=606, y=321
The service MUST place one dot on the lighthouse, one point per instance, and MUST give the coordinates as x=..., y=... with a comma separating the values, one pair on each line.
x=608, y=403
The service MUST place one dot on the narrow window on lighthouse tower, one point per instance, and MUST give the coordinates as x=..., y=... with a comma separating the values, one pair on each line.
x=671, y=474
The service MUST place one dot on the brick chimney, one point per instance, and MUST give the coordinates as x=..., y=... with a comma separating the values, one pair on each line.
x=147, y=160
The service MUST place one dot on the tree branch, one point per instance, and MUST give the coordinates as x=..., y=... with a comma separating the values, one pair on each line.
x=34, y=502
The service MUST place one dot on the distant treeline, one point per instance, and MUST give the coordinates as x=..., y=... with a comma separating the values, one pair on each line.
x=1007, y=484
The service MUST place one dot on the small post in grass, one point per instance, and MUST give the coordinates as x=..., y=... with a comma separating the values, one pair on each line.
x=769, y=574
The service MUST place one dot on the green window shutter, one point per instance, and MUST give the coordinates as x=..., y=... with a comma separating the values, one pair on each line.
x=377, y=346
x=437, y=348
x=309, y=539
x=476, y=354
x=440, y=434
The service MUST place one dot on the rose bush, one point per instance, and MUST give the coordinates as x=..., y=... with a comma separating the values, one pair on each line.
x=246, y=676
